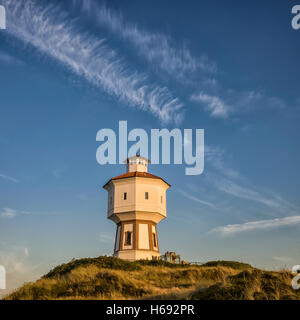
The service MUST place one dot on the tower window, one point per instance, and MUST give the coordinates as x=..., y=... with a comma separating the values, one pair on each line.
x=128, y=238
x=125, y=195
x=161, y=199
x=154, y=239
x=146, y=195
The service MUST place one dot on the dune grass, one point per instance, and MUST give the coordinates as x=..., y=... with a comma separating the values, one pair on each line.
x=111, y=278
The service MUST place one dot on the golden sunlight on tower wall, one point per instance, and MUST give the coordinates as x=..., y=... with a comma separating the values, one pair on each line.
x=136, y=203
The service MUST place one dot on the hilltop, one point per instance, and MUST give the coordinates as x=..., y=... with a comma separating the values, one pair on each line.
x=112, y=278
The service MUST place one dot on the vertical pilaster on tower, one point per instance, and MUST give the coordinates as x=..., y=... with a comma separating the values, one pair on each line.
x=136, y=203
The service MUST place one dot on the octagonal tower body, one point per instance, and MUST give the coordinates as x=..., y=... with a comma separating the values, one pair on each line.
x=136, y=203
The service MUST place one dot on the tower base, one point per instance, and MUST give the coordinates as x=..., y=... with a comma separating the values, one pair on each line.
x=133, y=255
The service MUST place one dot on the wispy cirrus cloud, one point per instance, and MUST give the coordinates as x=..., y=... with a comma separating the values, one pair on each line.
x=196, y=199
x=157, y=48
x=215, y=156
x=226, y=102
x=10, y=213
x=6, y=177
x=242, y=190
x=214, y=104
x=177, y=61
x=232, y=229
x=253, y=99
x=282, y=259
x=53, y=33
x=232, y=183
x=9, y=59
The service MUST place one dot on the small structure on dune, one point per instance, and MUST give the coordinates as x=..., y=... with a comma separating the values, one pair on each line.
x=172, y=257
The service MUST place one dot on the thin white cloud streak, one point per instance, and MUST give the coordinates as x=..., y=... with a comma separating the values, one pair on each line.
x=283, y=259
x=232, y=229
x=4, y=176
x=215, y=156
x=231, y=182
x=10, y=213
x=178, y=62
x=252, y=100
x=225, y=103
x=54, y=34
x=193, y=198
x=8, y=59
x=270, y=200
x=213, y=104
x=158, y=49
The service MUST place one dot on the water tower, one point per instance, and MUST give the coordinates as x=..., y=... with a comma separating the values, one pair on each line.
x=136, y=203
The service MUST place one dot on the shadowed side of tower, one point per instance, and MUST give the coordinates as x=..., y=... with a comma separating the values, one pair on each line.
x=136, y=203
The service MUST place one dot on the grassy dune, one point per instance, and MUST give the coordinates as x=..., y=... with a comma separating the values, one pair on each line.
x=111, y=278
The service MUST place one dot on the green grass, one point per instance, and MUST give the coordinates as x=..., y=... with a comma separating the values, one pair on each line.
x=230, y=264
x=100, y=262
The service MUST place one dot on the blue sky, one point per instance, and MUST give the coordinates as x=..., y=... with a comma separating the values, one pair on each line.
x=70, y=69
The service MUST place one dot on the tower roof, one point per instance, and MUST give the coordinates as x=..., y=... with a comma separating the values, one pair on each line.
x=136, y=174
